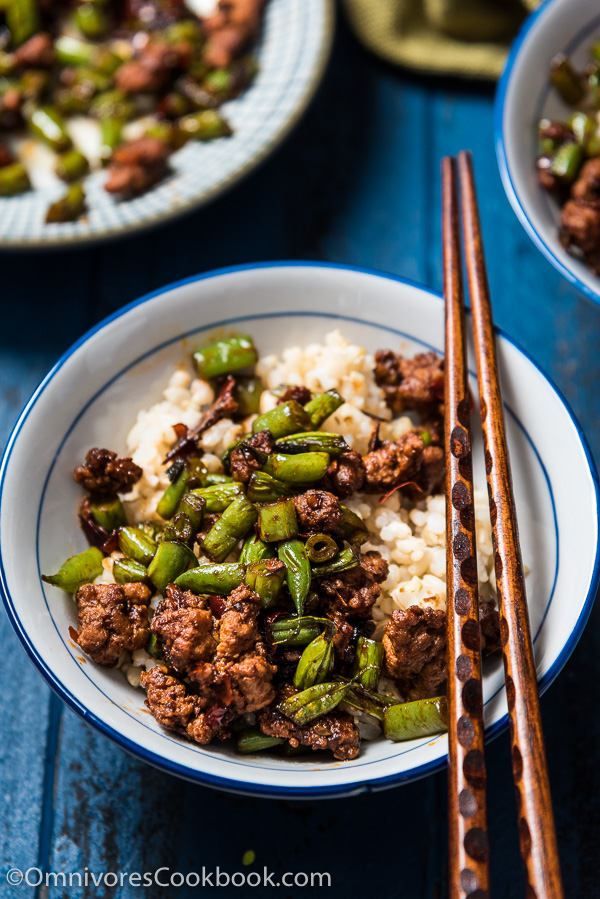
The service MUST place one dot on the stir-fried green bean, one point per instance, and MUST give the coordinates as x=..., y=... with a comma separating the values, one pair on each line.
x=219, y=496
x=234, y=523
x=225, y=356
x=13, y=180
x=71, y=165
x=277, y=521
x=266, y=578
x=566, y=80
x=136, y=545
x=126, y=571
x=81, y=569
x=287, y=418
x=348, y=558
x=353, y=527
x=212, y=579
x=313, y=441
x=69, y=207
x=91, y=20
x=293, y=555
x=193, y=506
x=213, y=477
x=321, y=548
x=111, y=135
x=179, y=529
x=208, y=124
x=22, y=19
x=47, y=124
x=565, y=163
x=108, y=513
x=252, y=739
x=322, y=406
x=315, y=662
x=302, y=468
x=169, y=501
x=170, y=561
x=298, y=631
x=255, y=550
x=369, y=701
x=422, y=718
x=263, y=488
x=247, y=393
x=304, y=707
x=368, y=662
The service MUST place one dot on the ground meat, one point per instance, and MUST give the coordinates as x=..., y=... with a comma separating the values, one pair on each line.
x=186, y=630
x=430, y=477
x=136, y=165
x=242, y=463
x=416, y=383
x=343, y=640
x=335, y=731
x=345, y=475
x=155, y=67
x=318, y=511
x=580, y=226
x=415, y=650
x=238, y=629
x=354, y=591
x=250, y=681
x=111, y=619
x=104, y=473
x=175, y=708
x=586, y=188
x=393, y=464
x=231, y=27
x=37, y=52
x=295, y=392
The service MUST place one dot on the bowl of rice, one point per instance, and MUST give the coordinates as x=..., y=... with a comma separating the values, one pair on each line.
x=129, y=380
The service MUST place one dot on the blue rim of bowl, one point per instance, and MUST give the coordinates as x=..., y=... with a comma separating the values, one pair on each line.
x=229, y=784
x=499, y=105
x=207, y=196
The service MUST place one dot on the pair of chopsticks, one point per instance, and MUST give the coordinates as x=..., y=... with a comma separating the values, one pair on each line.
x=468, y=840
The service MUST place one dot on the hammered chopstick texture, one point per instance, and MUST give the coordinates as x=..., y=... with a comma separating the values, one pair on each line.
x=537, y=836
x=467, y=815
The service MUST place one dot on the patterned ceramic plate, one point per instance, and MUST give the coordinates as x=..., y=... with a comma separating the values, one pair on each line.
x=292, y=53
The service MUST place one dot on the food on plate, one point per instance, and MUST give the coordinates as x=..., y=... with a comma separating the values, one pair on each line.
x=151, y=75
x=268, y=561
x=569, y=157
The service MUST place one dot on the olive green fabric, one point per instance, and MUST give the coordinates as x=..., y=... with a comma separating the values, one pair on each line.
x=468, y=38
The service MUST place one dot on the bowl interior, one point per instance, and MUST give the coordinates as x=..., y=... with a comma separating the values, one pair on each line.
x=525, y=95
x=91, y=398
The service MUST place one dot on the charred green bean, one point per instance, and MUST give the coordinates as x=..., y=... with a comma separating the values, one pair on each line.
x=225, y=356
x=81, y=569
x=422, y=718
x=293, y=555
x=234, y=523
x=212, y=579
x=277, y=521
x=287, y=418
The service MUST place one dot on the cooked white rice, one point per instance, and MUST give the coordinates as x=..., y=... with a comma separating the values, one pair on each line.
x=410, y=536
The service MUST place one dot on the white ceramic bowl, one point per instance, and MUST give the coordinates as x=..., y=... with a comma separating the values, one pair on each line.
x=524, y=96
x=91, y=397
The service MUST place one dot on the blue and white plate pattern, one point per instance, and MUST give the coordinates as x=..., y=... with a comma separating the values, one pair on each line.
x=292, y=52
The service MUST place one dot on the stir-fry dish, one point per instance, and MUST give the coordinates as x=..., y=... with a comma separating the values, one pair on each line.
x=149, y=73
x=269, y=562
x=569, y=160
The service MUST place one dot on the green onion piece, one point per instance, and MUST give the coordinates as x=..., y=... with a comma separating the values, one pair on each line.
x=293, y=555
x=422, y=718
x=277, y=521
x=302, y=468
x=134, y=544
x=224, y=356
x=234, y=523
x=252, y=739
x=288, y=418
x=266, y=578
x=77, y=570
x=321, y=548
x=212, y=579
x=322, y=406
x=126, y=571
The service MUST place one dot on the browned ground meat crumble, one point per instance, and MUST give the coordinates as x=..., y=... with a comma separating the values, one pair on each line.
x=295, y=392
x=111, y=619
x=415, y=383
x=318, y=512
x=136, y=166
x=104, y=473
x=242, y=463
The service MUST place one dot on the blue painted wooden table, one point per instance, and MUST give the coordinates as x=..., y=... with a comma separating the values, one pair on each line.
x=357, y=182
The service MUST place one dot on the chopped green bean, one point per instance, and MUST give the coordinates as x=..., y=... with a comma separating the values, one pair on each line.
x=136, y=545
x=91, y=20
x=72, y=51
x=70, y=206
x=566, y=80
x=212, y=579
x=224, y=356
x=263, y=488
x=81, y=569
x=113, y=104
x=47, y=124
x=13, y=180
x=247, y=393
x=304, y=707
x=126, y=571
x=298, y=631
x=348, y=558
x=170, y=561
x=369, y=701
x=208, y=124
x=266, y=578
x=151, y=529
x=293, y=555
x=315, y=662
x=313, y=441
x=302, y=468
x=277, y=521
x=322, y=406
x=22, y=19
x=422, y=718
x=234, y=523
x=252, y=739
x=219, y=496
x=368, y=662
x=108, y=513
x=287, y=418
x=321, y=548
x=213, y=478
x=353, y=527
x=193, y=506
x=255, y=550
x=71, y=166
x=566, y=162
x=179, y=529
x=111, y=135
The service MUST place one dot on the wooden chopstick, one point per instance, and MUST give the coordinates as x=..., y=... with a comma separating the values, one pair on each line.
x=537, y=834
x=467, y=815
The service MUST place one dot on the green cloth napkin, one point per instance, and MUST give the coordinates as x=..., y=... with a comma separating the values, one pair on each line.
x=468, y=38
